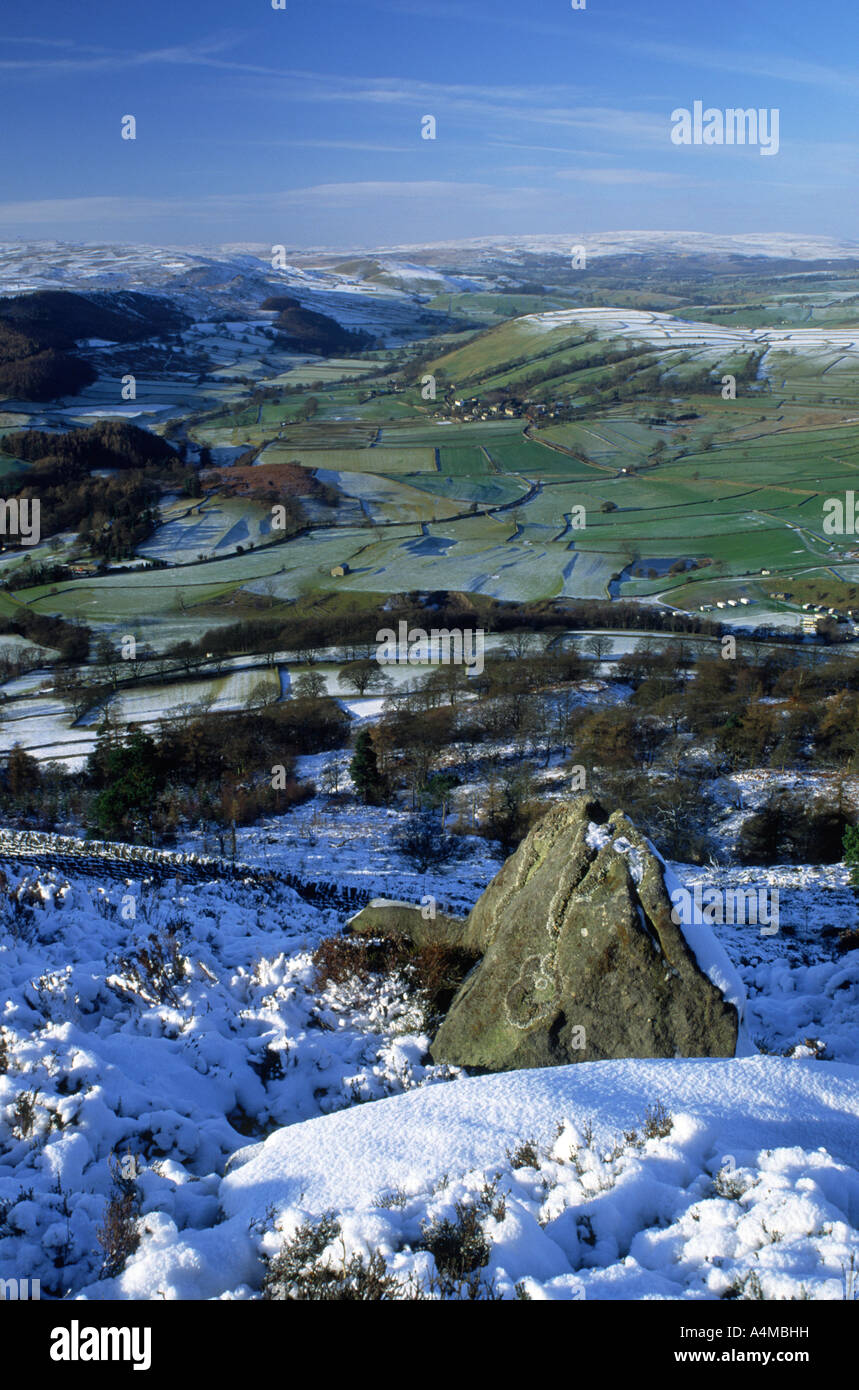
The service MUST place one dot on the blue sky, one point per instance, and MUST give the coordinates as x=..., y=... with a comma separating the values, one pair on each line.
x=303, y=126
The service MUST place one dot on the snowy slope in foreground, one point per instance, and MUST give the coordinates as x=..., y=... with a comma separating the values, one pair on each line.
x=348, y=1158
x=103, y=1055
x=754, y=1187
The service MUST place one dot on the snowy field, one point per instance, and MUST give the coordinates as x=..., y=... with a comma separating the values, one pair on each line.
x=218, y=527
x=667, y=331
x=622, y=243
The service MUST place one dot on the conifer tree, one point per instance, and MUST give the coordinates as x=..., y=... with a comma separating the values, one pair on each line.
x=364, y=770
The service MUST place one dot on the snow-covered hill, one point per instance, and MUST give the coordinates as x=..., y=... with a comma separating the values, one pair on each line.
x=210, y=282
x=184, y=1029
x=476, y=251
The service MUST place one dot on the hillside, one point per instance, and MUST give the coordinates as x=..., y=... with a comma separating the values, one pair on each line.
x=185, y=1025
x=37, y=330
x=223, y=1074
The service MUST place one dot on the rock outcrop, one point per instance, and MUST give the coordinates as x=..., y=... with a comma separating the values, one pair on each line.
x=405, y=922
x=581, y=959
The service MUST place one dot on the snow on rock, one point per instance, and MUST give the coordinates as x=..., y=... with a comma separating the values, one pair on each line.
x=706, y=948
x=632, y=854
x=597, y=836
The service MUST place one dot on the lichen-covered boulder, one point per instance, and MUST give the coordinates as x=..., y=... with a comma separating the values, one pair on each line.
x=396, y=921
x=581, y=958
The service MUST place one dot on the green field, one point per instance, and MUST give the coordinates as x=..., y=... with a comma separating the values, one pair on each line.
x=466, y=461
x=620, y=416
x=382, y=460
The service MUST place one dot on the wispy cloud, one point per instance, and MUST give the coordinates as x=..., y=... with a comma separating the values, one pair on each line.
x=495, y=109
x=489, y=107
x=108, y=208
x=499, y=144
x=59, y=211
x=492, y=16
x=298, y=143
x=746, y=63
x=623, y=176
x=31, y=40
x=89, y=58
x=427, y=191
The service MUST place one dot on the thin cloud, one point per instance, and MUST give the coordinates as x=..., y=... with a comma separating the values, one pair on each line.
x=622, y=176
x=88, y=58
x=105, y=209
x=747, y=64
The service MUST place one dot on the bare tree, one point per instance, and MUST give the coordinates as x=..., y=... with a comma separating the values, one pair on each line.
x=310, y=685
x=599, y=645
x=364, y=675
x=519, y=645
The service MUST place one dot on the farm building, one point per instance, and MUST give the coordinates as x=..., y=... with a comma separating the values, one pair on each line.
x=339, y=571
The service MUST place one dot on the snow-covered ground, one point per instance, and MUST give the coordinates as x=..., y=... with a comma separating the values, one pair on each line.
x=755, y=1180
x=104, y=1052
x=621, y=243
x=666, y=330
x=236, y=1084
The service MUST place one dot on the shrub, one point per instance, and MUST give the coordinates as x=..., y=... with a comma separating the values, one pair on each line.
x=395, y=1200
x=24, y=1114
x=18, y=904
x=300, y=1273
x=119, y=1234
x=524, y=1155
x=438, y=972
x=434, y=971
x=728, y=1183
x=658, y=1123
x=460, y=1246
x=340, y=958
x=746, y=1287
x=423, y=842
x=157, y=967
x=786, y=830
x=510, y=808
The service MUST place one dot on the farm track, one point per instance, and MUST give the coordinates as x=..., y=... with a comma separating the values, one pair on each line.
x=804, y=533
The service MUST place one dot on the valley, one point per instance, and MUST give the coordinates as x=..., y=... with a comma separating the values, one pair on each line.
x=623, y=480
